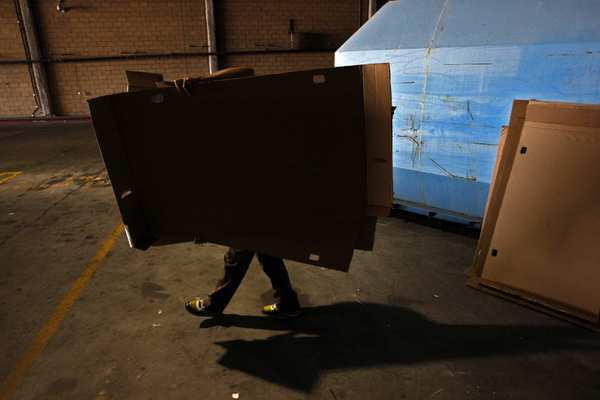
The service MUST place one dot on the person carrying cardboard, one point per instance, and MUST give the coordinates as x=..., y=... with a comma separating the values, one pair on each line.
x=236, y=265
x=236, y=261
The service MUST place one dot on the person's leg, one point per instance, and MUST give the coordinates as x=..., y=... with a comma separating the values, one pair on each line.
x=236, y=265
x=275, y=269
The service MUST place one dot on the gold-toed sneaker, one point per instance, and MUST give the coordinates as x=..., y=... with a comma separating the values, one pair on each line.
x=281, y=311
x=200, y=307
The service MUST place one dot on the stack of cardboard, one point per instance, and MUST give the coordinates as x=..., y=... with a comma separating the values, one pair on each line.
x=540, y=237
x=294, y=165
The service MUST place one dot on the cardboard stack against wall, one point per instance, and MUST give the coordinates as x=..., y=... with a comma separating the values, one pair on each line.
x=540, y=237
x=294, y=165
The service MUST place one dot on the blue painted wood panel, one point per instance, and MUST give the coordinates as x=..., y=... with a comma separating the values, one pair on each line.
x=456, y=68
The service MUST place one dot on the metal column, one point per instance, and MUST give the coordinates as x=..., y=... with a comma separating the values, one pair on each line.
x=372, y=8
x=34, y=52
x=211, y=36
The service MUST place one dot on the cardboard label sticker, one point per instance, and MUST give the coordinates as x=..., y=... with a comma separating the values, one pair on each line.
x=128, y=237
x=126, y=193
x=314, y=257
x=317, y=79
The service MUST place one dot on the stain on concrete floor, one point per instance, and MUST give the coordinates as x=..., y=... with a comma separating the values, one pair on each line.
x=96, y=179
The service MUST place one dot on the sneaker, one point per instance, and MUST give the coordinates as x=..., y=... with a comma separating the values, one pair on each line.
x=279, y=310
x=200, y=307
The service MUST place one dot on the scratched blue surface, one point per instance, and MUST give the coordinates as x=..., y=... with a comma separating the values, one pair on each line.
x=456, y=67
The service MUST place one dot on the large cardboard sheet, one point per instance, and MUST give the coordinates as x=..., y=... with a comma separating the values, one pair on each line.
x=543, y=240
x=275, y=164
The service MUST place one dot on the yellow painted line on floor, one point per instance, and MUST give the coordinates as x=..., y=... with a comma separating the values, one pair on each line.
x=35, y=349
x=7, y=176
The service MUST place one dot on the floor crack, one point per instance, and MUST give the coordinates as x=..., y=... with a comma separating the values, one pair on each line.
x=45, y=211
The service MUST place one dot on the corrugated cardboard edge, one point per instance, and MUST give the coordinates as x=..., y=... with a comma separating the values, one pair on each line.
x=501, y=142
x=557, y=113
x=115, y=160
x=503, y=169
x=498, y=186
x=377, y=100
x=533, y=302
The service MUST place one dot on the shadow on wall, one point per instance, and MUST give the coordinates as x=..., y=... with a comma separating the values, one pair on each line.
x=358, y=335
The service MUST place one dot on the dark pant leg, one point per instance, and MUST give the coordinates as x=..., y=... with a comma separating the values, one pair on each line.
x=236, y=265
x=275, y=270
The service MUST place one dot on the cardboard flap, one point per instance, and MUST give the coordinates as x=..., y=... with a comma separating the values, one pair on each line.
x=378, y=135
x=137, y=80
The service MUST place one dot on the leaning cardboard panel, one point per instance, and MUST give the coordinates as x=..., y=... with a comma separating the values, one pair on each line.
x=275, y=164
x=509, y=141
x=540, y=239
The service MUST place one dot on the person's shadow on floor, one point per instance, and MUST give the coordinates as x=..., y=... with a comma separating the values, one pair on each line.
x=355, y=335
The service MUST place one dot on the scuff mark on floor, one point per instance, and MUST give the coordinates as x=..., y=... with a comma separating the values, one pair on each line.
x=94, y=179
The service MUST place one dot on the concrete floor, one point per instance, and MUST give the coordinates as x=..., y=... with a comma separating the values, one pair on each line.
x=401, y=324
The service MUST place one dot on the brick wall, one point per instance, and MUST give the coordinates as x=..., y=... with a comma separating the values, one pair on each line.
x=113, y=28
x=16, y=93
x=276, y=63
x=264, y=24
x=259, y=24
x=92, y=28
x=71, y=84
